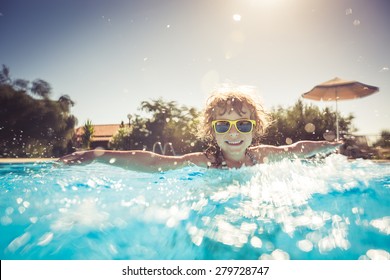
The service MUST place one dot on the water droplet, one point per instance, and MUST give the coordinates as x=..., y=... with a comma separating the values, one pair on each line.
x=237, y=17
x=310, y=128
x=348, y=11
x=19, y=242
x=288, y=141
x=378, y=254
x=356, y=22
x=329, y=135
x=280, y=255
x=305, y=245
x=172, y=222
x=98, y=152
x=21, y=209
x=5, y=220
x=256, y=242
x=383, y=225
x=9, y=210
x=45, y=239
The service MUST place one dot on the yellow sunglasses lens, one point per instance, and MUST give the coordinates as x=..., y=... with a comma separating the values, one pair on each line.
x=243, y=126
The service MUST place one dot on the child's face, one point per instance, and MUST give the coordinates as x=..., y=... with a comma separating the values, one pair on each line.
x=234, y=142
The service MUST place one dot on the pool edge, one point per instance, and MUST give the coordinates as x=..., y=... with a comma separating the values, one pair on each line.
x=26, y=160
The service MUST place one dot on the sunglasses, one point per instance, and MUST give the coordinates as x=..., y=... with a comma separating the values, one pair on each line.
x=223, y=126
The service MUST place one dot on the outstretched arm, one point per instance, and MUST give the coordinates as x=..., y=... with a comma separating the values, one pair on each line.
x=135, y=160
x=301, y=149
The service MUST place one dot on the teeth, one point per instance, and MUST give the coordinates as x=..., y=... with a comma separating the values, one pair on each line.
x=233, y=142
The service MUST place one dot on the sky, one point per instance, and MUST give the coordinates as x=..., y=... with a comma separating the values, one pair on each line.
x=109, y=56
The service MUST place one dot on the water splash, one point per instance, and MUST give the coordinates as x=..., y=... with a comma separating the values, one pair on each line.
x=329, y=209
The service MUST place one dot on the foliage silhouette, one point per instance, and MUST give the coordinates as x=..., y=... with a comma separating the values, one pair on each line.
x=33, y=127
x=168, y=123
x=303, y=122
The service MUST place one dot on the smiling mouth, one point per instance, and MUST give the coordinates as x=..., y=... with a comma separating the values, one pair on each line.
x=234, y=143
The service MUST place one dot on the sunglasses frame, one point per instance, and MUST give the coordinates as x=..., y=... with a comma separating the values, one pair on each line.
x=233, y=122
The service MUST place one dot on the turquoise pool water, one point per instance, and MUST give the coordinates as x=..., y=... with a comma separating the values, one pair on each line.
x=333, y=209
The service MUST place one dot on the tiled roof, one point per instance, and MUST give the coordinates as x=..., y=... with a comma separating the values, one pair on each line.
x=101, y=131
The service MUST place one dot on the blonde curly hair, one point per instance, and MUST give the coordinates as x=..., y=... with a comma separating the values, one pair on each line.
x=224, y=100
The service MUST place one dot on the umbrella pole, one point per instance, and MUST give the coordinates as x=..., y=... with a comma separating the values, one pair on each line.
x=337, y=122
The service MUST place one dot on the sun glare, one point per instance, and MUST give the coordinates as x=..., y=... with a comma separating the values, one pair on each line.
x=268, y=3
x=237, y=17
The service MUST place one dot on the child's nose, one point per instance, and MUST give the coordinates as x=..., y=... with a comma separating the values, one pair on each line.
x=233, y=130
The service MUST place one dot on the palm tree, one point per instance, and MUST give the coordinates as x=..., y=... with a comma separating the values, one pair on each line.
x=88, y=133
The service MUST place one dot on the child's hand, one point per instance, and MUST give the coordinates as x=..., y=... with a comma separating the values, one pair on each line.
x=332, y=146
x=337, y=143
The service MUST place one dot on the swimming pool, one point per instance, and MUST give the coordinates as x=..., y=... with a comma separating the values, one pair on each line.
x=332, y=209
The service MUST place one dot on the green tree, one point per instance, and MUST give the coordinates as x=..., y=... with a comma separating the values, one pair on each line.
x=384, y=141
x=88, y=133
x=41, y=88
x=29, y=126
x=303, y=122
x=168, y=123
x=122, y=139
x=5, y=77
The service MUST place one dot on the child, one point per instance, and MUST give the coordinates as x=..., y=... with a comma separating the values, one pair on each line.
x=232, y=123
